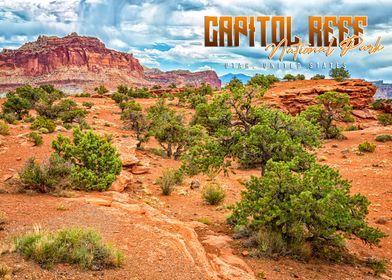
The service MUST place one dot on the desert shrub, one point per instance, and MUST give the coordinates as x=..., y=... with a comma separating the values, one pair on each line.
x=384, y=138
x=378, y=266
x=318, y=77
x=169, y=179
x=47, y=177
x=36, y=138
x=75, y=115
x=4, y=271
x=367, y=147
x=385, y=119
x=96, y=162
x=352, y=128
x=289, y=77
x=213, y=194
x=234, y=83
x=300, y=77
x=16, y=105
x=170, y=131
x=119, y=97
x=9, y=118
x=251, y=135
x=312, y=207
x=263, y=80
x=339, y=74
x=136, y=120
x=139, y=93
x=80, y=246
x=101, y=90
x=333, y=106
x=88, y=105
x=377, y=104
x=42, y=122
x=4, y=128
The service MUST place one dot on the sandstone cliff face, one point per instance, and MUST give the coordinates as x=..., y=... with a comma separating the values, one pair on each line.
x=294, y=97
x=183, y=78
x=71, y=60
x=75, y=63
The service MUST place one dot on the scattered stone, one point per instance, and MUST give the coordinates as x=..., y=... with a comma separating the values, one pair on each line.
x=363, y=114
x=245, y=253
x=195, y=184
x=138, y=170
x=99, y=201
x=382, y=220
x=7, y=177
x=122, y=181
x=18, y=158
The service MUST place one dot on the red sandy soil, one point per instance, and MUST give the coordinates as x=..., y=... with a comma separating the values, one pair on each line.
x=149, y=258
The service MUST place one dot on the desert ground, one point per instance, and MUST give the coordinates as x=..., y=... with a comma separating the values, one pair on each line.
x=163, y=236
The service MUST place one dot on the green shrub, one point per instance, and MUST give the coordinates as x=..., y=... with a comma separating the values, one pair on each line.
x=88, y=105
x=4, y=128
x=119, y=97
x=377, y=104
x=289, y=77
x=352, y=128
x=213, y=194
x=75, y=115
x=333, y=106
x=83, y=247
x=4, y=271
x=378, y=266
x=169, y=179
x=318, y=77
x=36, y=138
x=367, y=147
x=339, y=74
x=48, y=177
x=312, y=208
x=9, y=118
x=101, y=90
x=42, y=122
x=96, y=162
x=384, y=138
x=385, y=119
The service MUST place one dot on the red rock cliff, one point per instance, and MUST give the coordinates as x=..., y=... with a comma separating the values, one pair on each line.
x=294, y=97
x=76, y=63
x=182, y=78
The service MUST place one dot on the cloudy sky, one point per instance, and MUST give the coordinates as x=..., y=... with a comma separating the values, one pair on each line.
x=170, y=34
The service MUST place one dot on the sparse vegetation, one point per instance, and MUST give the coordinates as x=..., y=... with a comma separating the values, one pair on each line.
x=339, y=74
x=312, y=207
x=367, y=147
x=42, y=122
x=169, y=179
x=101, y=90
x=95, y=160
x=333, y=106
x=88, y=105
x=384, y=138
x=48, y=177
x=4, y=128
x=83, y=247
x=213, y=194
x=36, y=138
x=318, y=77
x=385, y=119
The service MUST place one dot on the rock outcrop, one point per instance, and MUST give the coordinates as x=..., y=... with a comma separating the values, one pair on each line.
x=75, y=63
x=72, y=60
x=294, y=97
x=182, y=78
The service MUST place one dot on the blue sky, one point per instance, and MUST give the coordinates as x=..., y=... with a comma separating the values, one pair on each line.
x=170, y=34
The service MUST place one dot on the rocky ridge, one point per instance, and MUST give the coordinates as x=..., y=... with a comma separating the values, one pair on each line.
x=75, y=63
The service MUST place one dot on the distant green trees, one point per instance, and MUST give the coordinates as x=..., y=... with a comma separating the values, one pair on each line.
x=339, y=74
